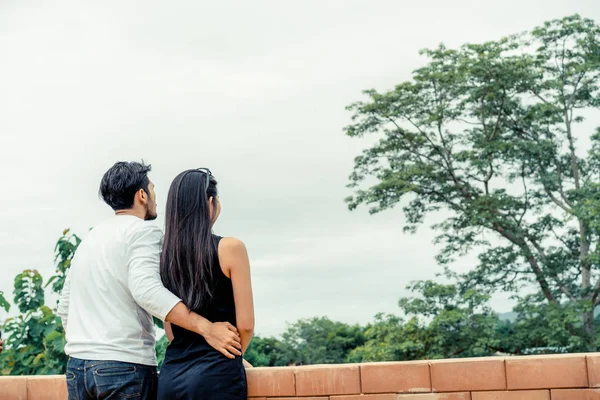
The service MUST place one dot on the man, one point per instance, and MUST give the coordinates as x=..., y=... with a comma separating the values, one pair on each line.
x=111, y=292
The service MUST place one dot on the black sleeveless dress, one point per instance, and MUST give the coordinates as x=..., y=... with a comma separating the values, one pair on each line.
x=192, y=369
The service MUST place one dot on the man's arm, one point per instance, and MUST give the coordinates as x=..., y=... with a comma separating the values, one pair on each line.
x=63, y=304
x=148, y=291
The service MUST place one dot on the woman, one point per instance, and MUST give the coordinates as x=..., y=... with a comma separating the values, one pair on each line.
x=212, y=277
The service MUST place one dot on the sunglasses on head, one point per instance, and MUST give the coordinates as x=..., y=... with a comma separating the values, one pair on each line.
x=208, y=174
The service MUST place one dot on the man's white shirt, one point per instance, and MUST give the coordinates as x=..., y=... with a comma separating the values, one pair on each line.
x=112, y=290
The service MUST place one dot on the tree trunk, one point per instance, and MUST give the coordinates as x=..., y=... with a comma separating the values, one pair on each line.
x=588, y=328
x=586, y=274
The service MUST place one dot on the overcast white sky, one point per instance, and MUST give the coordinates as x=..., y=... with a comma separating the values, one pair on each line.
x=254, y=90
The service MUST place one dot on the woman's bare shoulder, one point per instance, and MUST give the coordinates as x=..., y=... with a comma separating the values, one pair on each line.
x=231, y=247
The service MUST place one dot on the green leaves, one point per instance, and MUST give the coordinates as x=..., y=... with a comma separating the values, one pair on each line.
x=35, y=339
x=489, y=132
x=443, y=321
x=388, y=338
x=319, y=341
x=3, y=302
x=266, y=352
x=161, y=349
x=64, y=252
x=158, y=323
x=28, y=293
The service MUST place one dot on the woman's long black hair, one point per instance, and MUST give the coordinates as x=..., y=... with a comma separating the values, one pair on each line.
x=189, y=248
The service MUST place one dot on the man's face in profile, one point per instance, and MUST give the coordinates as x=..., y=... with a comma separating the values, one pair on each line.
x=151, y=204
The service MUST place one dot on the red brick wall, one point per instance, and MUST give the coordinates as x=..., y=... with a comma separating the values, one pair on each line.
x=564, y=377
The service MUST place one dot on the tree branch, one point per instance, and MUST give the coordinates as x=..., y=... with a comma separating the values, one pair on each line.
x=561, y=286
x=412, y=148
x=539, y=275
x=526, y=207
x=557, y=201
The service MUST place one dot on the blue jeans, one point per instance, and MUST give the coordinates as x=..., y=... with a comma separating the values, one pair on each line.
x=99, y=380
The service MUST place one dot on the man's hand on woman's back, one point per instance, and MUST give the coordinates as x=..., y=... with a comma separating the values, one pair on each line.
x=224, y=337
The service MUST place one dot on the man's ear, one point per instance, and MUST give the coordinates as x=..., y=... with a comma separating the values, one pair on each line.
x=143, y=196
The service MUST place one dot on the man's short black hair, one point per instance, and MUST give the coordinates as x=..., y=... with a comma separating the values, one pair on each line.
x=122, y=181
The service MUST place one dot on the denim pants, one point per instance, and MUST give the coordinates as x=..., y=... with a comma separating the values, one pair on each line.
x=99, y=380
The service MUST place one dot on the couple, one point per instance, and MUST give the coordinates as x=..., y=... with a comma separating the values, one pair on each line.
x=199, y=285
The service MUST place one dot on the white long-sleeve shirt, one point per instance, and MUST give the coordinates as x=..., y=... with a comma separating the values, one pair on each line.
x=112, y=289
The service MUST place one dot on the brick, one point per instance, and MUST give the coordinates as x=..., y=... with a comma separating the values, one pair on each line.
x=401, y=377
x=575, y=394
x=325, y=380
x=467, y=375
x=271, y=382
x=386, y=396
x=46, y=387
x=516, y=395
x=412, y=396
x=298, y=398
x=546, y=372
x=436, y=396
x=13, y=387
x=392, y=396
x=593, y=365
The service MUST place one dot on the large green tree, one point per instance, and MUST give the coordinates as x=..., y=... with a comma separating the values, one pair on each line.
x=443, y=322
x=265, y=352
x=319, y=340
x=491, y=134
x=539, y=328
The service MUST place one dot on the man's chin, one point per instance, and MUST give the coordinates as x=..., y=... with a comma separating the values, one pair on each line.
x=151, y=217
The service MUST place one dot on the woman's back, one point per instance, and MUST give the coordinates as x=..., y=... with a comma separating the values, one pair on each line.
x=222, y=306
x=192, y=369
x=211, y=276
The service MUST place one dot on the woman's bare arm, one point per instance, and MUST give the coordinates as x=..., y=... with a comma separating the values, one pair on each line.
x=235, y=264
